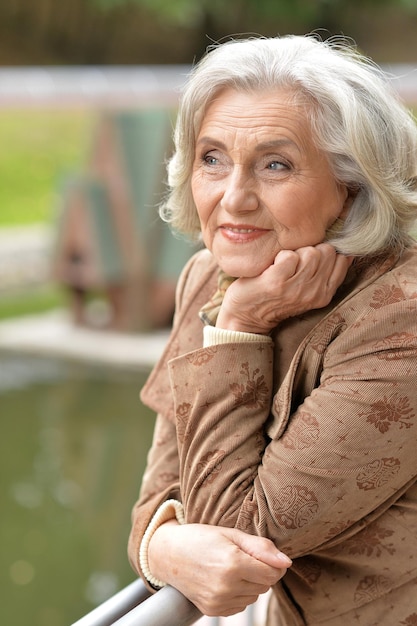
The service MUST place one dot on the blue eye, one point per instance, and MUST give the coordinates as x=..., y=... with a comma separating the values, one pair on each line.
x=276, y=165
x=210, y=159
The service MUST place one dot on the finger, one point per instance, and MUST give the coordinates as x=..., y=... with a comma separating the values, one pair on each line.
x=270, y=580
x=217, y=608
x=287, y=261
x=262, y=549
x=313, y=259
x=237, y=605
x=329, y=265
x=241, y=602
x=332, y=260
x=339, y=270
x=230, y=601
x=261, y=577
x=253, y=587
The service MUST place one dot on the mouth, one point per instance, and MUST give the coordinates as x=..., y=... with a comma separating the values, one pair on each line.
x=242, y=232
x=242, y=228
x=239, y=230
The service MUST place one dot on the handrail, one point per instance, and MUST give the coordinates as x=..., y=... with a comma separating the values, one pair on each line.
x=136, y=606
x=115, y=607
x=168, y=607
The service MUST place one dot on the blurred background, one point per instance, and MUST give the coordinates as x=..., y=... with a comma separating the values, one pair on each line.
x=88, y=94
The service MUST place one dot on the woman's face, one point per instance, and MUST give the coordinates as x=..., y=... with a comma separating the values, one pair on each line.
x=259, y=183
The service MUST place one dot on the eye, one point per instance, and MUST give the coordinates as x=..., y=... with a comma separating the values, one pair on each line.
x=210, y=159
x=277, y=165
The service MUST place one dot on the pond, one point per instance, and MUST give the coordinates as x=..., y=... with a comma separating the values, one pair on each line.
x=73, y=445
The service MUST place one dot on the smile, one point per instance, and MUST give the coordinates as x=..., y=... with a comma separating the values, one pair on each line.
x=240, y=230
x=244, y=228
x=241, y=234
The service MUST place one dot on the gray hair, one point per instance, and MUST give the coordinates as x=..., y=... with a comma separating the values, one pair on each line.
x=369, y=137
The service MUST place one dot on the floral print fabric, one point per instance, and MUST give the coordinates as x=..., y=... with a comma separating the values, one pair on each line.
x=310, y=441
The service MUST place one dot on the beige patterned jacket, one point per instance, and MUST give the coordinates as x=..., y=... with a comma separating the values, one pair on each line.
x=310, y=440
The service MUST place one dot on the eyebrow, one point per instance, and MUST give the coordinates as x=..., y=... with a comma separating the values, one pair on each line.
x=276, y=143
x=265, y=145
x=214, y=142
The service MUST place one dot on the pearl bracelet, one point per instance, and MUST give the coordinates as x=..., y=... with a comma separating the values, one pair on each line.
x=170, y=509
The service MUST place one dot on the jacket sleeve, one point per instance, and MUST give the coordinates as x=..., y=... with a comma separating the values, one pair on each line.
x=345, y=454
x=161, y=479
x=160, y=482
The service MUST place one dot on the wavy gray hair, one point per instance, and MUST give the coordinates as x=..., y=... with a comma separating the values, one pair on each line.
x=369, y=137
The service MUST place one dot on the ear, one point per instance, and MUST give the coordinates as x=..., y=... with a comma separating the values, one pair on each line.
x=348, y=195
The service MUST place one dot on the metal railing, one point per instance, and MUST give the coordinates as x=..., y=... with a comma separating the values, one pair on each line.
x=135, y=606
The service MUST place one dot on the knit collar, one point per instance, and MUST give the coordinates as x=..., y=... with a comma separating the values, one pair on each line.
x=209, y=312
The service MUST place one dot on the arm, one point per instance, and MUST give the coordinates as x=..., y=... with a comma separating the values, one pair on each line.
x=143, y=514
x=161, y=478
x=296, y=489
x=160, y=483
x=220, y=570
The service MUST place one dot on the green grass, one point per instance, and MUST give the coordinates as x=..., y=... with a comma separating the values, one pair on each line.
x=31, y=302
x=38, y=148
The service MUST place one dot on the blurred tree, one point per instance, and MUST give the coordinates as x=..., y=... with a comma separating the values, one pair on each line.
x=188, y=12
x=118, y=32
x=215, y=18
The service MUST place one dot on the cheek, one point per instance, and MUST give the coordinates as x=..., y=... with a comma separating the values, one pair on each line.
x=204, y=200
x=198, y=195
x=202, y=211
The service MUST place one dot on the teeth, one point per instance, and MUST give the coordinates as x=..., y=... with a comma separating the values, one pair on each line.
x=241, y=230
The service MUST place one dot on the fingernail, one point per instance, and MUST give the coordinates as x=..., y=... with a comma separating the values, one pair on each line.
x=284, y=558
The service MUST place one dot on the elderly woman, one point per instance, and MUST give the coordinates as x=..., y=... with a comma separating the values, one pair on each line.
x=287, y=395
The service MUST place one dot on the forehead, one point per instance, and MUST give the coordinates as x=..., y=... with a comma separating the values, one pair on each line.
x=264, y=111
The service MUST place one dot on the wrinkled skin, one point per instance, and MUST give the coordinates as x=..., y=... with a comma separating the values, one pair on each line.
x=297, y=282
x=231, y=571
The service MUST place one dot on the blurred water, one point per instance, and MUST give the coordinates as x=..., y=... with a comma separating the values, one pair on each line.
x=73, y=444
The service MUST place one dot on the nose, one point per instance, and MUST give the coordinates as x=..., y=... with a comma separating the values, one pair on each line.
x=239, y=194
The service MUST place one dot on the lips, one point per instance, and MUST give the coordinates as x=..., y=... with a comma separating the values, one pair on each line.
x=242, y=228
x=241, y=232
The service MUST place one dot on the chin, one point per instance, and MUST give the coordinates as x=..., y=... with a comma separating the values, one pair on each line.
x=237, y=269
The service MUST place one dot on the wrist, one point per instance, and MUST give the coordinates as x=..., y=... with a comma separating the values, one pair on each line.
x=236, y=325
x=169, y=511
x=159, y=556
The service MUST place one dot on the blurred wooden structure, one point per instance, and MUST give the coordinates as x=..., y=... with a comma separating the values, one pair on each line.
x=110, y=239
